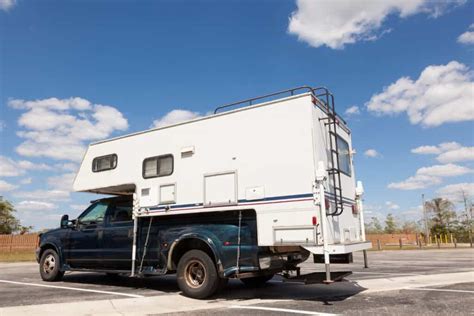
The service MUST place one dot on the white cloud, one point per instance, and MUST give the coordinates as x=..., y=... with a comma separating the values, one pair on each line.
x=442, y=94
x=372, y=153
x=26, y=181
x=468, y=36
x=53, y=195
x=392, y=206
x=353, y=110
x=447, y=152
x=78, y=207
x=6, y=5
x=449, y=170
x=456, y=155
x=415, y=182
x=341, y=22
x=68, y=166
x=62, y=182
x=35, y=206
x=429, y=176
x=436, y=150
x=175, y=116
x=59, y=128
x=5, y=186
x=455, y=192
x=13, y=168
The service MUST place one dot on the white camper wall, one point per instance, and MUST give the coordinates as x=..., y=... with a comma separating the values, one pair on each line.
x=345, y=227
x=265, y=150
x=261, y=157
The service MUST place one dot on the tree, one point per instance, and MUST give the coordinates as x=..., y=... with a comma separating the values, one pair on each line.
x=391, y=226
x=442, y=214
x=374, y=227
x=410, y=227
x=8, y=222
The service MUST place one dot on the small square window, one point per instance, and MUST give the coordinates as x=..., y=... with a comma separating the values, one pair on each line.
x=104, y=163
x=159, y=166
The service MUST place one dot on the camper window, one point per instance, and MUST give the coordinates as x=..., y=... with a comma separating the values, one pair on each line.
x=104, y=163
x=159, y=166
x=344, y=156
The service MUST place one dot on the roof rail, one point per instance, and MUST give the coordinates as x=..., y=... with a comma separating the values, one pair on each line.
x=322, y=94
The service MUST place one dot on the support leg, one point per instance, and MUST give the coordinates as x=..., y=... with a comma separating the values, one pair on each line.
x=366, y=261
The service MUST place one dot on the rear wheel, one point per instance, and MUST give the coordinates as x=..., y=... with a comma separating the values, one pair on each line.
x=197, y=274
x=49, y=266
x=257, y=281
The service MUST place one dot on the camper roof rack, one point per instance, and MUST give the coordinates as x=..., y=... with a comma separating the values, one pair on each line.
x=323, y=96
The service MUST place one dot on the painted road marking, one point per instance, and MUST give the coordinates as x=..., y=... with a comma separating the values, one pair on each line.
x=383, y=273
x=72, y=288
x=440, y=290
x=283, y=310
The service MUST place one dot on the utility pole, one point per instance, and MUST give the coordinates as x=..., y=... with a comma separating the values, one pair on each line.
x=468, y=215
x=427, y=231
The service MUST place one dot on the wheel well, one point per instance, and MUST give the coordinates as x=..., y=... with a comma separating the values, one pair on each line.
x=46, y=247
x=184, y=246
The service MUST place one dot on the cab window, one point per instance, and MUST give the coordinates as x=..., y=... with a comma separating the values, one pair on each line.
x=94, y=214
x=120, y=212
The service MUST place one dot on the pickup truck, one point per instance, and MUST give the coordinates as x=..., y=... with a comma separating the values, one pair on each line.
x=204, y=250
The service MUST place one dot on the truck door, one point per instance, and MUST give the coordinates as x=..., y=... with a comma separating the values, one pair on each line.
x=118, y=235
x=85, y=240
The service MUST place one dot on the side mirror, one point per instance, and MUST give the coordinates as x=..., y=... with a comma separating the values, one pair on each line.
x=65, y=221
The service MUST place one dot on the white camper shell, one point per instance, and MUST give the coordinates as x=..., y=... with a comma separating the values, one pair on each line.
x=289, y=159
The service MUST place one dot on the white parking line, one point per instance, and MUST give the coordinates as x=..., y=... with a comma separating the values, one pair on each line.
x=283, y=310
x=383, y=273
x=71, y=288
x=440, y=290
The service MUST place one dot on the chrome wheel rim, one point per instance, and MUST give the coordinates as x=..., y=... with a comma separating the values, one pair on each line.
x=195, y=273
x=49, y=264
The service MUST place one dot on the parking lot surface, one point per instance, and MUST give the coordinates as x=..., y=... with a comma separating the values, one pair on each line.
x=396, y=283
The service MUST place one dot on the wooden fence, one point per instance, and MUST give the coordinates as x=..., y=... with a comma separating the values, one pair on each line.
x=392, y=239
x=10, y=243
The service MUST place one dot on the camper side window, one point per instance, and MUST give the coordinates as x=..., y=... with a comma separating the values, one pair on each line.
x=159, y=166
x=104, y=163
x=344, y=156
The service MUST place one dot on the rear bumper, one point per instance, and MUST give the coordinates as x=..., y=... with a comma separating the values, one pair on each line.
x=340, y=248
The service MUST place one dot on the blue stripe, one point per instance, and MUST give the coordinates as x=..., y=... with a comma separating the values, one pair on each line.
x=269, y=199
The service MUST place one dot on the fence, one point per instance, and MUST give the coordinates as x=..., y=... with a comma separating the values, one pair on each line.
x=390, y=241
x=11, y=243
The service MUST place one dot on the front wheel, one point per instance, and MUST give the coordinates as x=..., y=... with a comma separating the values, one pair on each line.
x=197, y=274
x=49, y=266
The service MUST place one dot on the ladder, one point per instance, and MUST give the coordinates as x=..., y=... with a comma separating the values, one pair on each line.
x=334, y=171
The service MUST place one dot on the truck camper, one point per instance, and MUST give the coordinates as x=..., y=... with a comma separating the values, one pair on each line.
x=248, y=192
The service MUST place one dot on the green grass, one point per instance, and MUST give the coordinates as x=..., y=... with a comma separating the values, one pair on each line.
x=17, y=256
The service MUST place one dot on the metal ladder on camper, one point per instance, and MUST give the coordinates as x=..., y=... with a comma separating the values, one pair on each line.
x=334, y=171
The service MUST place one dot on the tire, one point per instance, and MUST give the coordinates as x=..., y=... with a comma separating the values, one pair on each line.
x=50, y=265
x=257, y=281
x=197, y=275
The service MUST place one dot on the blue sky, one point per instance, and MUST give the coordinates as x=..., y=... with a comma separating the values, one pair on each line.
x=144, y=59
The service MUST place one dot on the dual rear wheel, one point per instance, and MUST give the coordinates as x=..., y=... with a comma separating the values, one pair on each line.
x=198, y=278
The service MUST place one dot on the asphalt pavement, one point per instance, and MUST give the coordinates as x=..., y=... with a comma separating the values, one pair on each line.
x=428, y=282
